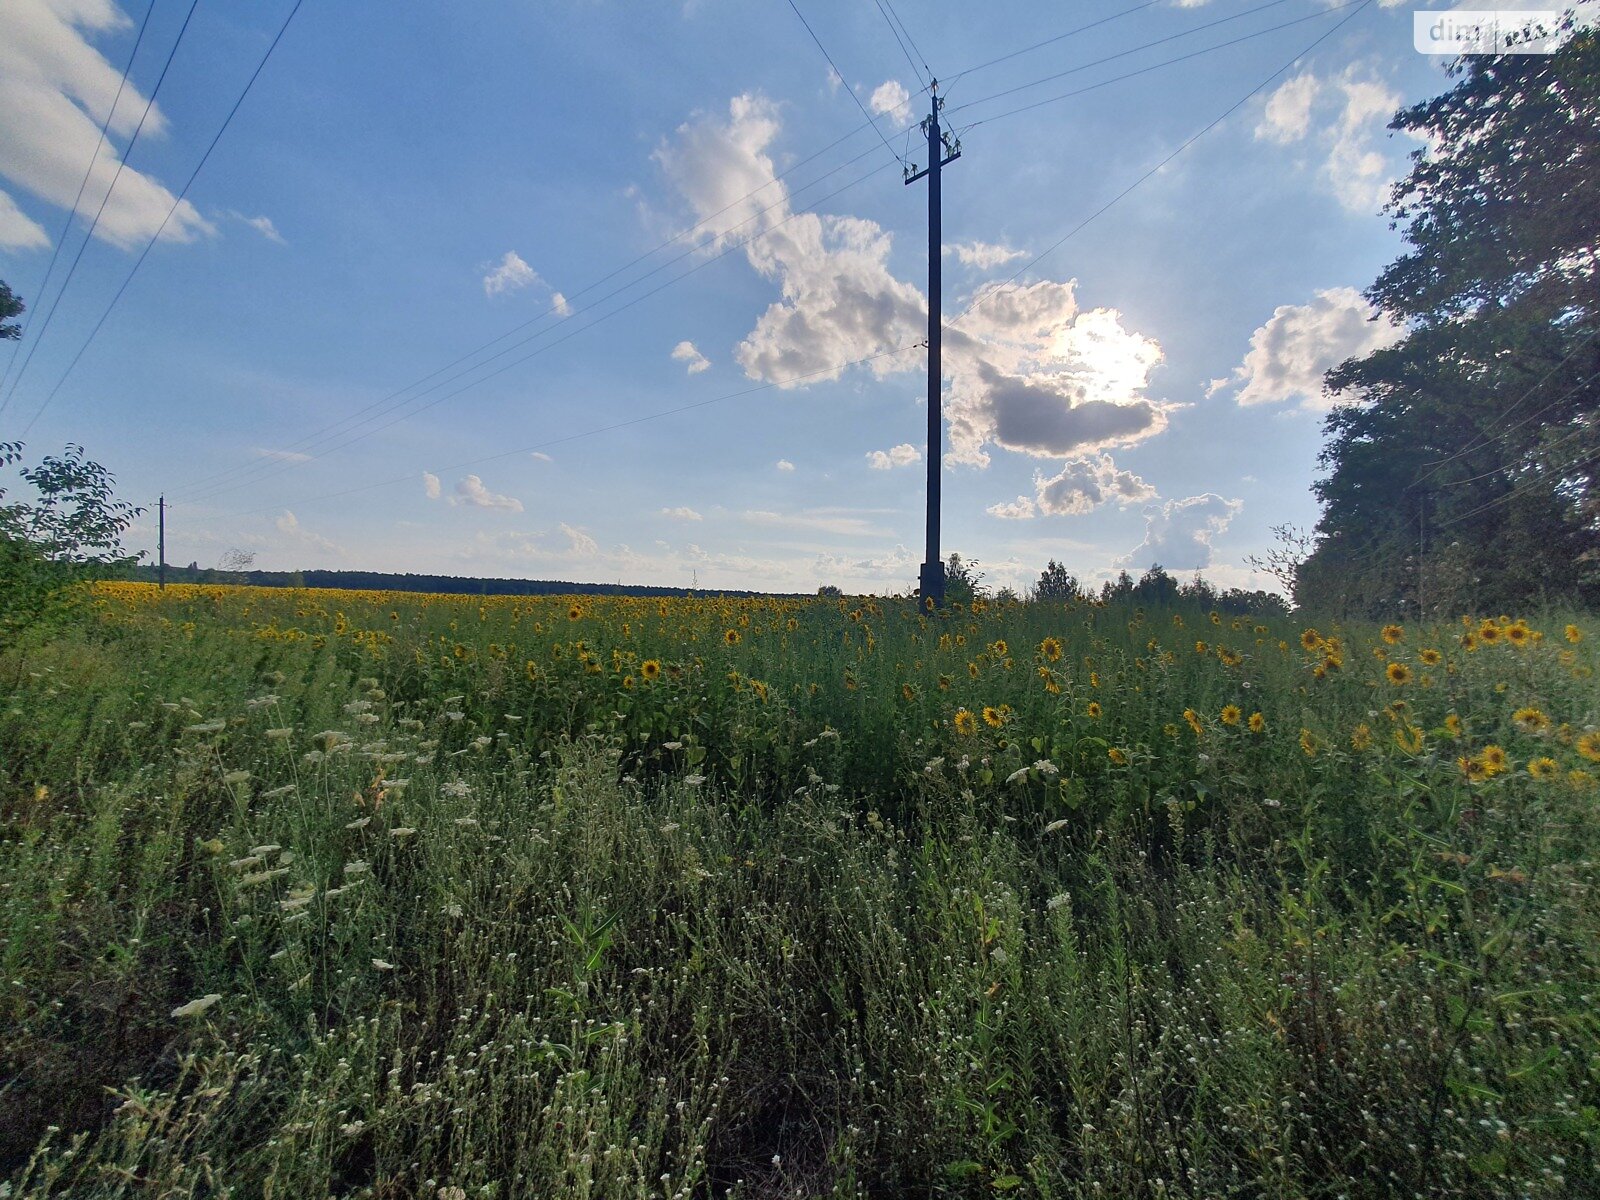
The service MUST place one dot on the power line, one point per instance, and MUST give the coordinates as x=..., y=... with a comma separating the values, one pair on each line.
x=1148, y=45
x=228, y=120
x=227, y=487
x=655, y=416
x=845, y=82
x=1560, y=441
x=1224, y=115
x=1522, y=490
x=1049, y=41
x=122, y=162
x=926, y=82
x=72, y=211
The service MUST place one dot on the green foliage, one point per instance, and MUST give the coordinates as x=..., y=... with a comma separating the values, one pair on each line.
x=288, y=908
x=11, y=305
x=1464, y=474
x=963, y=582
x=1056, y=585
x=70, y=532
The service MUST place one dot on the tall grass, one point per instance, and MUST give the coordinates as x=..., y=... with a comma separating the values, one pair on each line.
x=347, y=912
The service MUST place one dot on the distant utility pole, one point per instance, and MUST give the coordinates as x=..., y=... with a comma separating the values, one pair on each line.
x=161, y=542
x=943, y=150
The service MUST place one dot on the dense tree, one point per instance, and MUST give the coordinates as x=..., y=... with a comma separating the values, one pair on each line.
x=1462, y=475
x=1056, y=584
x=11, y=305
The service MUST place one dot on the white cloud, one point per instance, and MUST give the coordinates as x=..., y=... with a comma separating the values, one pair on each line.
x=288, y=456
x=985, y=256
x=578, y=542
x=1355, y=108
x=1085, y=484
x=1021, y=509
x=471, y=491
x=263, y=226
x=1287, y=117
x=891, y=97
x=18, y=231
x=835, y=80
x=685, y=352
x=783, y=464
x=902, y=455
x=1289, y=355
x=510, y=274
x=1178, y=533
x=1029, y=371
x=289, y=525
x=682, y=513
x=541, y=456
x=55, y=91
x=430, y=485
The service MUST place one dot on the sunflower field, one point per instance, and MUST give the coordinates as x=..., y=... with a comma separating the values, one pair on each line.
x=314, y=893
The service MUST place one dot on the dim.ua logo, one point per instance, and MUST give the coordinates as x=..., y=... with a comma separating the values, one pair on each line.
x=1484, y=31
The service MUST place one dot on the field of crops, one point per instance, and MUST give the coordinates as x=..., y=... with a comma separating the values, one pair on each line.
x=316, y=893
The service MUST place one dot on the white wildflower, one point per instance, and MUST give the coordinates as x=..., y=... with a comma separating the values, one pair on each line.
x=195, y=1007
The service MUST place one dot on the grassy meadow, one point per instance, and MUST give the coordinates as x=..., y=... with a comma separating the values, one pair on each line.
x=321, y=894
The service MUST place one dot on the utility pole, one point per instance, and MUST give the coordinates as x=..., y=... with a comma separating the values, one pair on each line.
x=161, y=542
x=943, y=150
x=1422, y=549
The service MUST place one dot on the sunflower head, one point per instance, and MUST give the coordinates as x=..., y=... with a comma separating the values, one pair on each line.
x=1258, y=723
x=1398, y=674
x=965, y=723
x=1588, y=745
x=1310, y=744
x=1310, y=641
x=1193, y=719
x=1094, y=709
x=1050, y=648
x=1119, y=758
x=1361, y=738
x=731, y=637
x=992, y=717
x=1530, y=720
x=1543, y=768
x=1231, y=714
x=1431, y=658
x=574, y=612
x=1574, y=634
x=650, y=668
x=1493, y=759
x=1393, y=634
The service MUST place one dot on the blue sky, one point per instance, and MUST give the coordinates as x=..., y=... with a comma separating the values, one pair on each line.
x=394, y=194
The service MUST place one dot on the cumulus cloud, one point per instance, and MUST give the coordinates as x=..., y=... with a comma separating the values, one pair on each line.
x=289, y=525
x=1354, y=108
x=541, y=456
x=985, y=256
x=1178, y=534
x=682, y=513
x=686, y=352
x=578, y=542
x=471, y=491
x=1021, y=509
x=1029, y=370
x=839, y=521
x=1084, y=484
x=892, y=98
x=430, y=485
x=510, y=274
x=1287, y=116
x=56, y=91
x=783, y=464
x=18, y=231
x=262, y=225
x=1300, y=343
x=902, y=455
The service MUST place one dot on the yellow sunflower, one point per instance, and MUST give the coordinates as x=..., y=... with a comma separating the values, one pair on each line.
x=1310, y=744
x=966, y=724
x=1431, y=658
x=1452, y=725
x=1398, y=674
x=574, y=613
x=992, y=717
x=1393, y=634
x=1574, y=634
x=1494, y=760
x=1589, y=745
x=1258, y=723
x=1051, y=649
x=1193, y=718
x=1311, y=641
x=1471, y=769
x=732, y=637
x=1408, y=737
x=1530, y=720
x=907, y=693
x=1119, y=758
x=1231, y=714
x=1094, y=710
x=650, y=668
x=1361, y=738
x=1543, y=768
